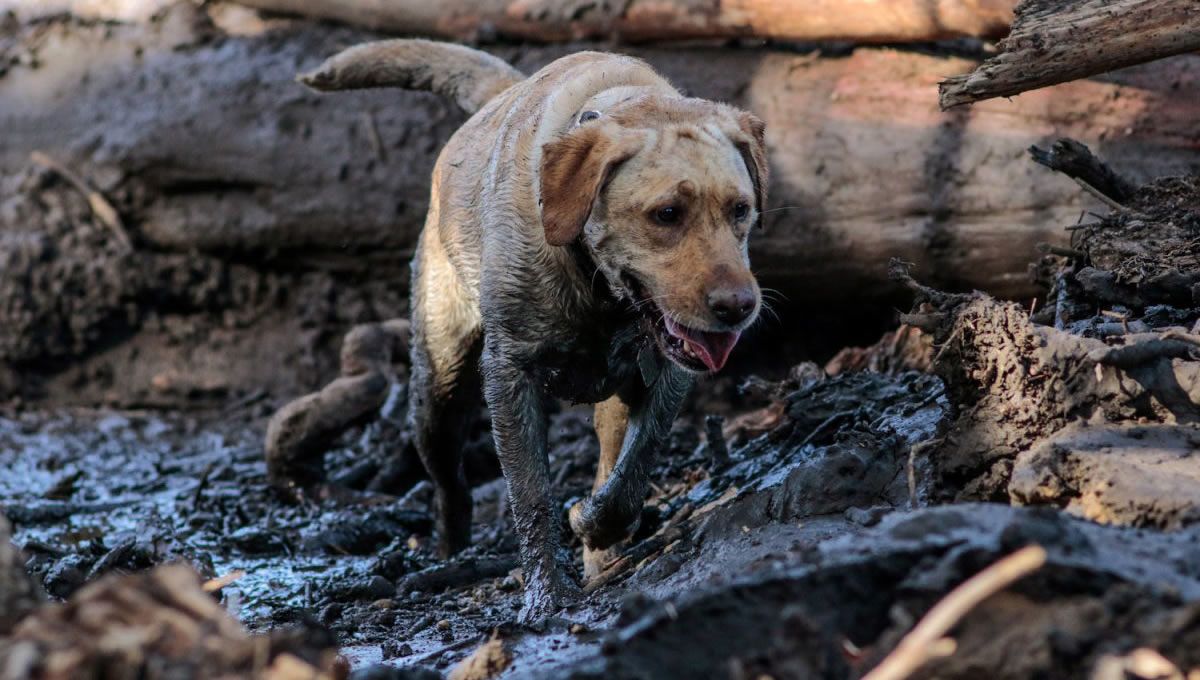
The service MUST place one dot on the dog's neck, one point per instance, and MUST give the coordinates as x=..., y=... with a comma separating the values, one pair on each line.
x=589, y=271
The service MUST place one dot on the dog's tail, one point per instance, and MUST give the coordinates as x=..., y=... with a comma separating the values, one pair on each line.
x=470, y=77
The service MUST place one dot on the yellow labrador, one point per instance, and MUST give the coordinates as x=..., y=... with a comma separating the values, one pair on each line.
x=586, y=240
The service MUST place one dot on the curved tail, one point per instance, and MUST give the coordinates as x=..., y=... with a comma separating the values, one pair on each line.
x=470, y=77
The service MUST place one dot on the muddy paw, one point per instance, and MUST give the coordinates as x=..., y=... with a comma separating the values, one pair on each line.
x=598, y=535
x=595, y=560
x=545, y=595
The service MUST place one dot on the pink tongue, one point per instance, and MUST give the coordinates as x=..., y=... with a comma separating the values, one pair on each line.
x=712, y=348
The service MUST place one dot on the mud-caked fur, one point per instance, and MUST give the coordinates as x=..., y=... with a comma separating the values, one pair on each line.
x=545, y=264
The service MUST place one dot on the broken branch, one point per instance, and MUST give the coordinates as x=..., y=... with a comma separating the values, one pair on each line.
x=1056, y=41
x=925, y=641
x=1076, y=161
x=101, y=208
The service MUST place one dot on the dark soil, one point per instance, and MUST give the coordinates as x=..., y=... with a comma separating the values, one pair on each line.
x=800, y=523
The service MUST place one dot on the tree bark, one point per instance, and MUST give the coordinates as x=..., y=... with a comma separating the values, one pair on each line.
x=209, y=146
x=867, y=21
x=1057, y=41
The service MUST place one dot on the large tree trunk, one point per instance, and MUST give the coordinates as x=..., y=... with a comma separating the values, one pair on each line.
x=646, y=20
x=268, y=207
x=1053, y=42
x=210, y=145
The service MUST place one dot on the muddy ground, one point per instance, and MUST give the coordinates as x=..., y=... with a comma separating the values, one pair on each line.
x=804, y=516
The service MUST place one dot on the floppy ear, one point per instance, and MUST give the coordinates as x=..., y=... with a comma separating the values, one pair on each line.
x=752, y=146
x=575, y=168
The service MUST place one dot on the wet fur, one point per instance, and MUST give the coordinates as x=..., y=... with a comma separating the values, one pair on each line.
x=517, y=286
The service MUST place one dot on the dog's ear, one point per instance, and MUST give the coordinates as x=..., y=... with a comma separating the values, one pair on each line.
x=575, y=167
x=751, y=144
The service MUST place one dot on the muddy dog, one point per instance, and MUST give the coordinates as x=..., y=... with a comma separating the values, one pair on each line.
x=586, y=240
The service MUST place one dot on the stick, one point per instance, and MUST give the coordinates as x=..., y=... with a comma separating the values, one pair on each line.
x=1099, y=195
x=1076, y=161
x=101, y=208
x=465, y=642
x=457, y=573
x=683, y=523
x=1144, y=351
x=215, y=584
x=1056, y=41
x=928, y=640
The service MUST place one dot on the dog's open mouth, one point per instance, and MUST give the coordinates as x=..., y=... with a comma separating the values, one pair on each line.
x=694, y=349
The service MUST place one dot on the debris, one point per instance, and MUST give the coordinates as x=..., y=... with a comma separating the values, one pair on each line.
x=131, y=625
x=927, y=640
x=101, y=208
x=488, y=661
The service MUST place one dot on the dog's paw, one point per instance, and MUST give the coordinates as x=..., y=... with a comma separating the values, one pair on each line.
x=595, y=561
x=597, y=529
x=546, y=594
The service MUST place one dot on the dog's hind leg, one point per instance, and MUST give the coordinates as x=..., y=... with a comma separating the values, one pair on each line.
x=444, y=391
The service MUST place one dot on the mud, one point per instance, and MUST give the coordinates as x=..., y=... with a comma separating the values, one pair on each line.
x=801, y=520
x=195, y=488
x=814, y=512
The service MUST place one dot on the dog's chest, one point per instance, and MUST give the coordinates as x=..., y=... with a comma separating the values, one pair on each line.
x=589, y=368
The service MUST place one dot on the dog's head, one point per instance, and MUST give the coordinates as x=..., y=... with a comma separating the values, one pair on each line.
x=664, y=194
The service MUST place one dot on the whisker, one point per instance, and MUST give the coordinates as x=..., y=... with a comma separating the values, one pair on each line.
x=774, y=291
x=766, y=307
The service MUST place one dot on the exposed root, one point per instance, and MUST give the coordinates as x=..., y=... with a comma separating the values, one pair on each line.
x=928, y=638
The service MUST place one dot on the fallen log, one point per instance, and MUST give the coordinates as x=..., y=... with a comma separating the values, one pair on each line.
x=1053, y=42
x=273, y=218
x=640, y=21
x=238, y=158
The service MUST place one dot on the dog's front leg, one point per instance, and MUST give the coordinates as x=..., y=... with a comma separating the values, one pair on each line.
x=519, y=425
x=610, y=514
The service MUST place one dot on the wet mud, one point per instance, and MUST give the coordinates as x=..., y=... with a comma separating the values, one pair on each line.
x=803, y=516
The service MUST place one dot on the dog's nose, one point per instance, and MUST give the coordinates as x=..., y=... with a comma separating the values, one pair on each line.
x=731, y=305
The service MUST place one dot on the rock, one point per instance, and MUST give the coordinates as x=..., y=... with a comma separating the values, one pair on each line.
x=486, y=662
x=258, y=541
x=867, y=517
x=358, y=533
x=363, y=589
x=66, y=576
x=1133, y=475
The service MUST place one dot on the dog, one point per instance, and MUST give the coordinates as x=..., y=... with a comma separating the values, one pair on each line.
x=586, y=240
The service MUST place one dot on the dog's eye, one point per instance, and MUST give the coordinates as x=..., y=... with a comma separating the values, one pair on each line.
x=668, y=216
x=740, y=211
x=588, y=115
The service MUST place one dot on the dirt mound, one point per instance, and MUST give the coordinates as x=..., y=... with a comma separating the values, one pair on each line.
x=1091, y=402
x=1102, y=591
